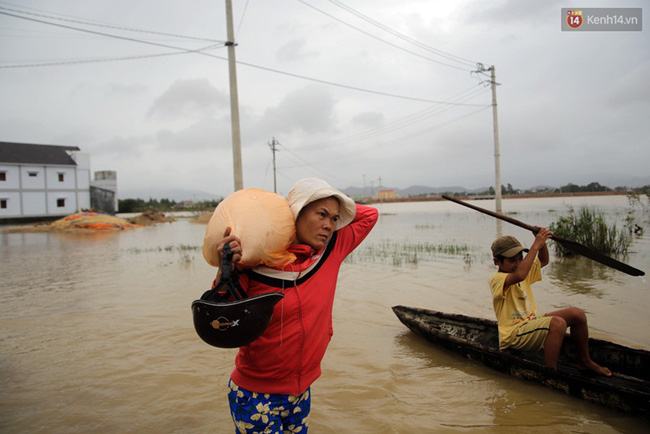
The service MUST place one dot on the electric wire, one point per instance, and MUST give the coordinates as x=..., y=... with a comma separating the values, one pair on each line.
x=239, y=62
x=125, y=38
x=383, y=40
x=241, y=21
x=109, y=59
x=109, y=26
x=401, y=35
x=362, y=136
x=401, y=139
x=398, y=124
x=312, y=170
x=359, y=89
x=365, y=150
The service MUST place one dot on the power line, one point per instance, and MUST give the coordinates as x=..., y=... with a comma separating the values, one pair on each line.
x=316, y=80
x=383, y=40
x=397, y=140
x=125, y=38
x=109, y=26
x=106, y=59
x=241, y=21
x=401, y=35
x=314, y=169
x=352, y=87
x=398, y=124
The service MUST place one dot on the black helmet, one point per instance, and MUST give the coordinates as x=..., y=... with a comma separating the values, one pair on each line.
x=232, y=324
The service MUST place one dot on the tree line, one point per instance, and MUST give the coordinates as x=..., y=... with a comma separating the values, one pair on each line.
x=569, y=188
x=165, y=205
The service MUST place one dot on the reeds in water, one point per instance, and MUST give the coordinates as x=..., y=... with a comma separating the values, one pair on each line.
x=588, y=227
x=405, y=253
x=168, y=248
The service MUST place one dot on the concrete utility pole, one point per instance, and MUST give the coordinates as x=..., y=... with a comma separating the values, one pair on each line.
x=234, y=101
x=495, y=125
x=497, y=154
x=273, y=149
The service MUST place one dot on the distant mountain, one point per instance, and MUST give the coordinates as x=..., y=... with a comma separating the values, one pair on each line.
x=611, y=181
x=177, y=195
x=414, y=190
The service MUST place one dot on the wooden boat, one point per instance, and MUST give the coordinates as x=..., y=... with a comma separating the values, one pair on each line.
x=627, y=390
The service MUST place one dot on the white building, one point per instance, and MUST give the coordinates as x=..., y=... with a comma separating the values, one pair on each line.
x=42, y=180
x=103, y=191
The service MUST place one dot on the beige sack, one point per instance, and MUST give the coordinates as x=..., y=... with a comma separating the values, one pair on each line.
x=263, y=222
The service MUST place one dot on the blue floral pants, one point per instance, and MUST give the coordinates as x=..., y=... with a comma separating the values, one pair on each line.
x=268, y=413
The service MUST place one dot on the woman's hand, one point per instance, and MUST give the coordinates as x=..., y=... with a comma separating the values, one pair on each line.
x=235, y=246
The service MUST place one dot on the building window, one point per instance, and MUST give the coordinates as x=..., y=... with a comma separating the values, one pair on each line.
x=3, y=176
x=60, y=203
x=61, y=177
x=3, y=203
x=32, y=174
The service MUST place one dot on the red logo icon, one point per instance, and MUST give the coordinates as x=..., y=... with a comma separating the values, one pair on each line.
x=574, y=19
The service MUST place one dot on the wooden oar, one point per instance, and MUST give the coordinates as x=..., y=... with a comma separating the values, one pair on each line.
x=571, y=245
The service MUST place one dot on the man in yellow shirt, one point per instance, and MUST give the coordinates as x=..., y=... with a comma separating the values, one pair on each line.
x=520, y=327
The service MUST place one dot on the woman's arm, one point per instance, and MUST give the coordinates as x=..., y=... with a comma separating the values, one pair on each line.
x=363, y=222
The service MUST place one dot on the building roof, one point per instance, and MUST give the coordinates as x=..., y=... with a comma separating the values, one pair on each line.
x=23, y=153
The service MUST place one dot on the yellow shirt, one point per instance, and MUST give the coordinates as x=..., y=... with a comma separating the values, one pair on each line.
x=515, y=304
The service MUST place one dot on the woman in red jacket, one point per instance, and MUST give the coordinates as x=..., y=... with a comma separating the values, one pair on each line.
x=270, y=386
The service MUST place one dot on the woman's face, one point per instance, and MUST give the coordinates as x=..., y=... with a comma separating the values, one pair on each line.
x=317, y=222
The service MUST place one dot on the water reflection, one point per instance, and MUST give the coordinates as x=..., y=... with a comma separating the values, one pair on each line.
x=578, y=275
x=496, y=402
x=97, y=333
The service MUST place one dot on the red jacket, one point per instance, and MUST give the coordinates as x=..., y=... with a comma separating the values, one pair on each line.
x=286, y=358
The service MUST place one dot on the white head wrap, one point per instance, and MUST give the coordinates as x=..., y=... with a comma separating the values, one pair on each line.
x=308, y=190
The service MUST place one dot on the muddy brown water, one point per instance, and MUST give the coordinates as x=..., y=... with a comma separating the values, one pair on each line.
x=96, y=332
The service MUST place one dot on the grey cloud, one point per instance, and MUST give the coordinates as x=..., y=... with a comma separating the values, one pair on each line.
x=206, y=134
x=192, y=98
x=294, y=50
x=369, y=119
x=309, y=109
x=517, y=12
x=632, y=87
x=119, y=89
x=134, y=146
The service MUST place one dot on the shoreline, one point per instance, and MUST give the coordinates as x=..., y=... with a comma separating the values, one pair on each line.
x=505, y=196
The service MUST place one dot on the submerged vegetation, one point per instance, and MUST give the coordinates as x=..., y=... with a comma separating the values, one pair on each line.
x=175, y=248
x=407, y=253
x=587, y=226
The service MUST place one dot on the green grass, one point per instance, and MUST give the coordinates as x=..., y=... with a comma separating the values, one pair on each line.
x=169, y=248
x=407, y=253
x=587, y=226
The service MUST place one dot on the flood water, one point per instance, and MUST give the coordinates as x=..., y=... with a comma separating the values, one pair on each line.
x=96, y=330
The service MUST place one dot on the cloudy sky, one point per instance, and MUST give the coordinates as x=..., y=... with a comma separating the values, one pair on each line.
x=354, y=92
